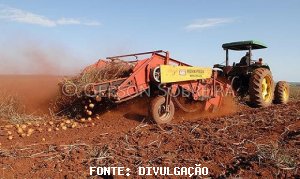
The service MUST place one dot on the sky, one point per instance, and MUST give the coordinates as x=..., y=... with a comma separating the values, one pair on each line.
x=76, y=33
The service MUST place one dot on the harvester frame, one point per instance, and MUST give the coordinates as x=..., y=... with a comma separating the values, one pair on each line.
x=147, y=75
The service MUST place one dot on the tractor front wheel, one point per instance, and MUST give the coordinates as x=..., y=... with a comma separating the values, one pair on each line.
x=159, y=112
x=282, y=92
x=261, y=87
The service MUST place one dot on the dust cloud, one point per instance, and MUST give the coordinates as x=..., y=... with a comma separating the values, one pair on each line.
x=31, y=69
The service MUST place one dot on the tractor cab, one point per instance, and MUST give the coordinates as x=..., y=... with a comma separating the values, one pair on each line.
x=246, y=64
x=241, y=74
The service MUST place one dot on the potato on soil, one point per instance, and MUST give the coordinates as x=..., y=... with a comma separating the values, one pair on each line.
x=23, y=126
x=30, y=130
x=49, y=129
x=8, y=126
x=68, y=121
x=37, y=125
x=82, y=120
x=10, y=137
x=74, y=125
x=20, y=130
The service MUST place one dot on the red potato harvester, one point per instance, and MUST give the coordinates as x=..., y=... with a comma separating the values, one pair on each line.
x=163, y=78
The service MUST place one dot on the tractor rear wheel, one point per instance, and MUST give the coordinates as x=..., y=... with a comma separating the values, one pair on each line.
x=158, y=110
x=261, y=87
x=282, y=92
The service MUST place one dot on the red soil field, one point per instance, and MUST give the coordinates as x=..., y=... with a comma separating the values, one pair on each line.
x=236, y=141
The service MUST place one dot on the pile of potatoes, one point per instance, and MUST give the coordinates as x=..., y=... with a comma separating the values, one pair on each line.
x=27, y=129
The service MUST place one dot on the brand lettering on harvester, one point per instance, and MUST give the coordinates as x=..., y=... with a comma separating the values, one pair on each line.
x=182, y=72
x=195, y=71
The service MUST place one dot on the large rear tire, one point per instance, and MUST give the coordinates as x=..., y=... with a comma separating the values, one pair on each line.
x=158, y=113
x=282, y=92
x=261, y=87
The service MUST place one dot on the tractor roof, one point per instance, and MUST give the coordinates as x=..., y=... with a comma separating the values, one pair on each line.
x=244, y=45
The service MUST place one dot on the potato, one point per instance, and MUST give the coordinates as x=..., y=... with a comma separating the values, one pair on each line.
x=30, y=131
x=8, y=126
x=36, y=125
x=43, y=139
x=10, y=137
x=64, y=128
x=89, y=119
x=98, y=98
x=82, y=119
x=23, y=126
x=51, y=122
x=57, y=129
x=9, y=132
x=19, y=130
x=68, y=121
x=74, y=125
x=91, y=105
x=88, y=112
x=49, y=129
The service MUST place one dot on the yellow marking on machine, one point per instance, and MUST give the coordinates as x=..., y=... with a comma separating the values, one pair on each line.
x=171, y=73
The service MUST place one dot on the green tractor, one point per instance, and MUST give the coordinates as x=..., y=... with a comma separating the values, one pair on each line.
x=251, y=77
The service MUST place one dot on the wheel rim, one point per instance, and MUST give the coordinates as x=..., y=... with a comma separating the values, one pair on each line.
x=266, y=89
x=163, y=114
x=285, y=94
x=156, y=74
